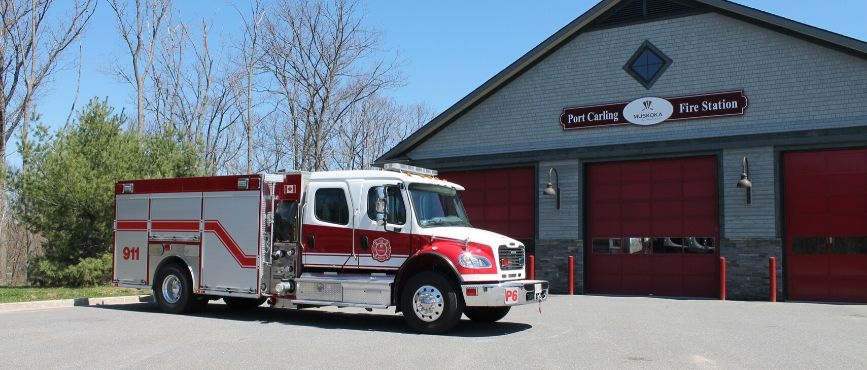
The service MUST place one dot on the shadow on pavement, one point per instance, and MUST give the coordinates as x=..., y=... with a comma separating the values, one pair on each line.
x=329, y=319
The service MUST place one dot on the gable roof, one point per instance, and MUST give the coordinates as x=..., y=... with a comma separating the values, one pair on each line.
x=595, y=17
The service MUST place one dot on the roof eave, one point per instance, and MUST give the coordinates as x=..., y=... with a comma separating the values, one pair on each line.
x=856, y=46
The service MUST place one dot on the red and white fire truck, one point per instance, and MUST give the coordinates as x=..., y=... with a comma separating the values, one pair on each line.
x=371, y=239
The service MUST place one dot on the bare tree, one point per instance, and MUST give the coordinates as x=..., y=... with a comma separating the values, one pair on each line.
x=31, y=49
x=32, y=45
x=324, y=62
x=139, y=28
x=374, y=126
x=250, y=54
x=197, y=94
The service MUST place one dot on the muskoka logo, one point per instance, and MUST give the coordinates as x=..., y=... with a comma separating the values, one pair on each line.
x=648, y=111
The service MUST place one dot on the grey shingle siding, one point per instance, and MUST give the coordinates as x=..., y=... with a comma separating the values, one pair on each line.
x=791, y=84
x=564, y=223
x=758, y=219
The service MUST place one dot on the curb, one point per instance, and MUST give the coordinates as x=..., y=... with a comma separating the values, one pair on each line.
x=76, y=302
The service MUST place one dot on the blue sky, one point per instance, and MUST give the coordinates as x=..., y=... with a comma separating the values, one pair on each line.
x=449, y=47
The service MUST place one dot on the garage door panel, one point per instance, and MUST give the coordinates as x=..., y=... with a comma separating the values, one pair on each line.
x=693, y=210
x=632, y=192
x=640, y=265
x=608, y=194
x=668, y=208
x=635, y=228
x=697, y=189
x=844, y=184
x=808, y=204
x=696, y=285
x=845, y=162
x=668, y=264
x=668, y=285
x=700, y=170
x=848, y=289
x=826, y=197
x=699, y=266
x=658, y=198
x=500, y=200
x=667, y=191
x=813, y=224
x=667, y=170
x=635, y=210
x=634, y=173
x=604, y=175
x=635, y=284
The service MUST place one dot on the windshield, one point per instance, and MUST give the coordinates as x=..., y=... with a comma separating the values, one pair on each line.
x=436, y=205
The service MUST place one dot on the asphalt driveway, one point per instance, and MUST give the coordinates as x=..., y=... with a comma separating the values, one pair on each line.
x=570, y=332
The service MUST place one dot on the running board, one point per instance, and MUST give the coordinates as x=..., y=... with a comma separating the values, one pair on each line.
x=366, y=290
x=338, y=304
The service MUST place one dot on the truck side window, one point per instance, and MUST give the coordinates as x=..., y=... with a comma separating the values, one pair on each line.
x=285, y=222
x=330, y=206
x=396, y=209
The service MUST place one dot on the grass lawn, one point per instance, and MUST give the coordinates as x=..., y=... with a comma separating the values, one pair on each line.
x=26, y=294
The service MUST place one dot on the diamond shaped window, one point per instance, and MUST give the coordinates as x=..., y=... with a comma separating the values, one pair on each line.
x=647, y=64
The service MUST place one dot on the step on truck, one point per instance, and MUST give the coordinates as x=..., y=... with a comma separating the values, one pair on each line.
x=397, y=237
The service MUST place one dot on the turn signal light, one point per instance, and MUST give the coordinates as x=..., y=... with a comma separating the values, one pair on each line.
x=472, y=292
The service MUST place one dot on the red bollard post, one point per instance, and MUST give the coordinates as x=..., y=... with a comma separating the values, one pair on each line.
x=571, y=275
x=532, y=265
x=722, y=278
x=772, y=265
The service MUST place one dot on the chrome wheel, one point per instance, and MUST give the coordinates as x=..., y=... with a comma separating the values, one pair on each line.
x=427, y=302
x=171, y=289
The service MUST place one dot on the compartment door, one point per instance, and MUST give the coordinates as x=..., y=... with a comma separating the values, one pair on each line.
x=130, y=240
x=230, y=242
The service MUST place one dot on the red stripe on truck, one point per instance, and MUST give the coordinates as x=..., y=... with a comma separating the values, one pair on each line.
x=211, y=226
x=246, y=261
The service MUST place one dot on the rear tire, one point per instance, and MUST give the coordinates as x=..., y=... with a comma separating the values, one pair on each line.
x=173, y=289
x=431, y=304
x=238, y=303
x=486, y=314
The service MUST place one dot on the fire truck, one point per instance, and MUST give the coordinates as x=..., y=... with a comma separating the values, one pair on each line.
x=375, y=239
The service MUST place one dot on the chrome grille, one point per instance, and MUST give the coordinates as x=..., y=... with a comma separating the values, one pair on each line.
x=511, y=258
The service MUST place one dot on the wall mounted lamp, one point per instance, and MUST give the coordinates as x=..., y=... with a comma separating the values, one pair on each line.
x=551, y=189
x=745, y=182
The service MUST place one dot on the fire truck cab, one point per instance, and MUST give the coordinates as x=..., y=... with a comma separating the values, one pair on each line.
x=397, y=237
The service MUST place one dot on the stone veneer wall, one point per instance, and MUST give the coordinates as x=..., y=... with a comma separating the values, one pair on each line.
x=552, y=264
x=747, y=268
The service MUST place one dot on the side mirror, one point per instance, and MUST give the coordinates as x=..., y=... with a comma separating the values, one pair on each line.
x=381, y=205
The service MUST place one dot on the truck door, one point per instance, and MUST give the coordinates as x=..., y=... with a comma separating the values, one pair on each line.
x=383, y=247
x=327, y=233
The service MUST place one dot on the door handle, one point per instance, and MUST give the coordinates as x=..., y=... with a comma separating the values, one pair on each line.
x=311, y=242
x=364, y=245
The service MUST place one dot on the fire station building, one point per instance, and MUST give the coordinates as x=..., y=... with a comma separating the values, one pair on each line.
x=650, y=138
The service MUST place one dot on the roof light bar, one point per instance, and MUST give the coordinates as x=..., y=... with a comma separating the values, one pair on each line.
x=399, y=167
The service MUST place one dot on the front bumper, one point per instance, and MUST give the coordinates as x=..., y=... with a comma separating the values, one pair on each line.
x=511, y=293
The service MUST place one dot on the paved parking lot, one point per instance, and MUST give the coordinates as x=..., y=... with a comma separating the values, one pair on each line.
x=570, y=332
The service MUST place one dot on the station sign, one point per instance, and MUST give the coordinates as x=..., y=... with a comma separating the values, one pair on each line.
x=653, y=110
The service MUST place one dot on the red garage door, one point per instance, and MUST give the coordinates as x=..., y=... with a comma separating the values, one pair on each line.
x=499, y=200
x=826, y=225
x=653, y=228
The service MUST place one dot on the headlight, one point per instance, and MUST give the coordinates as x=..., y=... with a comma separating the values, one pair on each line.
x=472, y=261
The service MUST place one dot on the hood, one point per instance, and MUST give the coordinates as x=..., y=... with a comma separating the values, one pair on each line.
x=476, y=235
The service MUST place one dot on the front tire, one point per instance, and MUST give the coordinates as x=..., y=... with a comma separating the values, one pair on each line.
x=173, y=289
x=431, y=304
x=486, y=314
